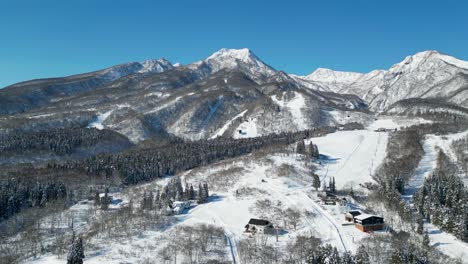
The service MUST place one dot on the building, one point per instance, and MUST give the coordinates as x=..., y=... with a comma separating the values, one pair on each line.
x=259, y=226
x=349, y=216
x=367, y=222
x=328, y=198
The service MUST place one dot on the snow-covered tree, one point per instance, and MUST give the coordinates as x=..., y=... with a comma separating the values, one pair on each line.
x=76, y=252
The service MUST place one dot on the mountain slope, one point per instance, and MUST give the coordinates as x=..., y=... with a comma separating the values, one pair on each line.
x=28, y=95
x=427, y=74
x=195, y=101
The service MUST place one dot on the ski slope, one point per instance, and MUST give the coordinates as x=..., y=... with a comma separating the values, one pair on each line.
x=351, y=156
x=223, y=129
x=443, y=241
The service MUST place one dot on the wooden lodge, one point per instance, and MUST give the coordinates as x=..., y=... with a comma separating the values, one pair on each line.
x=259, y=226
x=349, y=216
x=328, y=198
x=368, y=223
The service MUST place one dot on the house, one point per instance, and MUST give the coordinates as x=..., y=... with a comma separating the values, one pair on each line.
x=343, y=201
x=367, y=222
x=259, y=226
x=349, y=216
x=328, y=198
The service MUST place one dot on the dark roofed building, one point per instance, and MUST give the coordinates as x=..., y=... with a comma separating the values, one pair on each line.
x=366, y=222
x=259, y=225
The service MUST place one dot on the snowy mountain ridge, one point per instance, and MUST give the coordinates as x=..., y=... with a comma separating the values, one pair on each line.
x=427, y=74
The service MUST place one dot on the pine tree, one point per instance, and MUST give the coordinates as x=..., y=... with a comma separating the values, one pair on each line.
x=316, y=181
x=97, y=199
x=420, y=228
x=76, y=252
x=362, y=257
x=300, y=147
x=205, y=188
x=426, y=240
x=105, y=201
x=192, y=193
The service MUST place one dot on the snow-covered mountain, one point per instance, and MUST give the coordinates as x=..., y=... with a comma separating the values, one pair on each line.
x=427, y=74
x=194, y=101
x=145, y=99
x=28, y=95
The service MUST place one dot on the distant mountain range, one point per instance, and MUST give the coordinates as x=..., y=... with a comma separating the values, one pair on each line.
x=231, y=93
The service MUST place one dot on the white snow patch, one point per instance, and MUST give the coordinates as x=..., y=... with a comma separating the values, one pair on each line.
x=294, y=106
x=221, y=131
x=98, y=122
x=246, y=129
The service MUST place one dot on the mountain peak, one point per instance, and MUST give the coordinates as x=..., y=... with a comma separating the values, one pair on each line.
x=328, y=75
x=240, y=59
x=244, y=54
x=158, y=65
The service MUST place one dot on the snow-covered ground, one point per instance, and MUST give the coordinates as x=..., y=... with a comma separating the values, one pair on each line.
x=248, y=129
x=351, y=156
x=99, y=120
x=223, y=129
x=447, y=243
x=238, y=186
x=443, y=241
x=294, y=106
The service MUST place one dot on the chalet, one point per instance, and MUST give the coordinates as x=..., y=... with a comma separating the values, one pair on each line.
x=343, y=201
x=259, y=226
x=367, y=222
x=349, y=216
x=328, y=198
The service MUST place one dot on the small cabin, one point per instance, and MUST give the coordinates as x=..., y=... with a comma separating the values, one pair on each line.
x=368, y=223
x=328, y=198
x=349, y=216
x=259, y=226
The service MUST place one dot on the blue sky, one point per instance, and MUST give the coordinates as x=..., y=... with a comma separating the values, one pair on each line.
x=55, y=38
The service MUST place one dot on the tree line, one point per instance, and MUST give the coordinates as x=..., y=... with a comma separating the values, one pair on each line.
x=443, y=199
x=59, y=141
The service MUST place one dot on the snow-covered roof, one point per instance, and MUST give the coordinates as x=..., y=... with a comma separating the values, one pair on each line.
x=365, y=216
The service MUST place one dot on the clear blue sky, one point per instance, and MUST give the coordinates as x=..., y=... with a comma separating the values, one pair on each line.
x=56, y=37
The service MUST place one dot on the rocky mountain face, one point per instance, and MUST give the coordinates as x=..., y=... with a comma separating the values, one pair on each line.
x=428, y=75
x=230, y=93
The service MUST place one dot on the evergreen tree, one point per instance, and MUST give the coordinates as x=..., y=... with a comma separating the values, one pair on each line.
x=76, y=252
x=300, y=147
x=420, y=228
x=426, y=240
x=316, y=181
x=205, y=188
x=105, y=201
x=97, y=199
x=362, y=257
x=192, y=193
